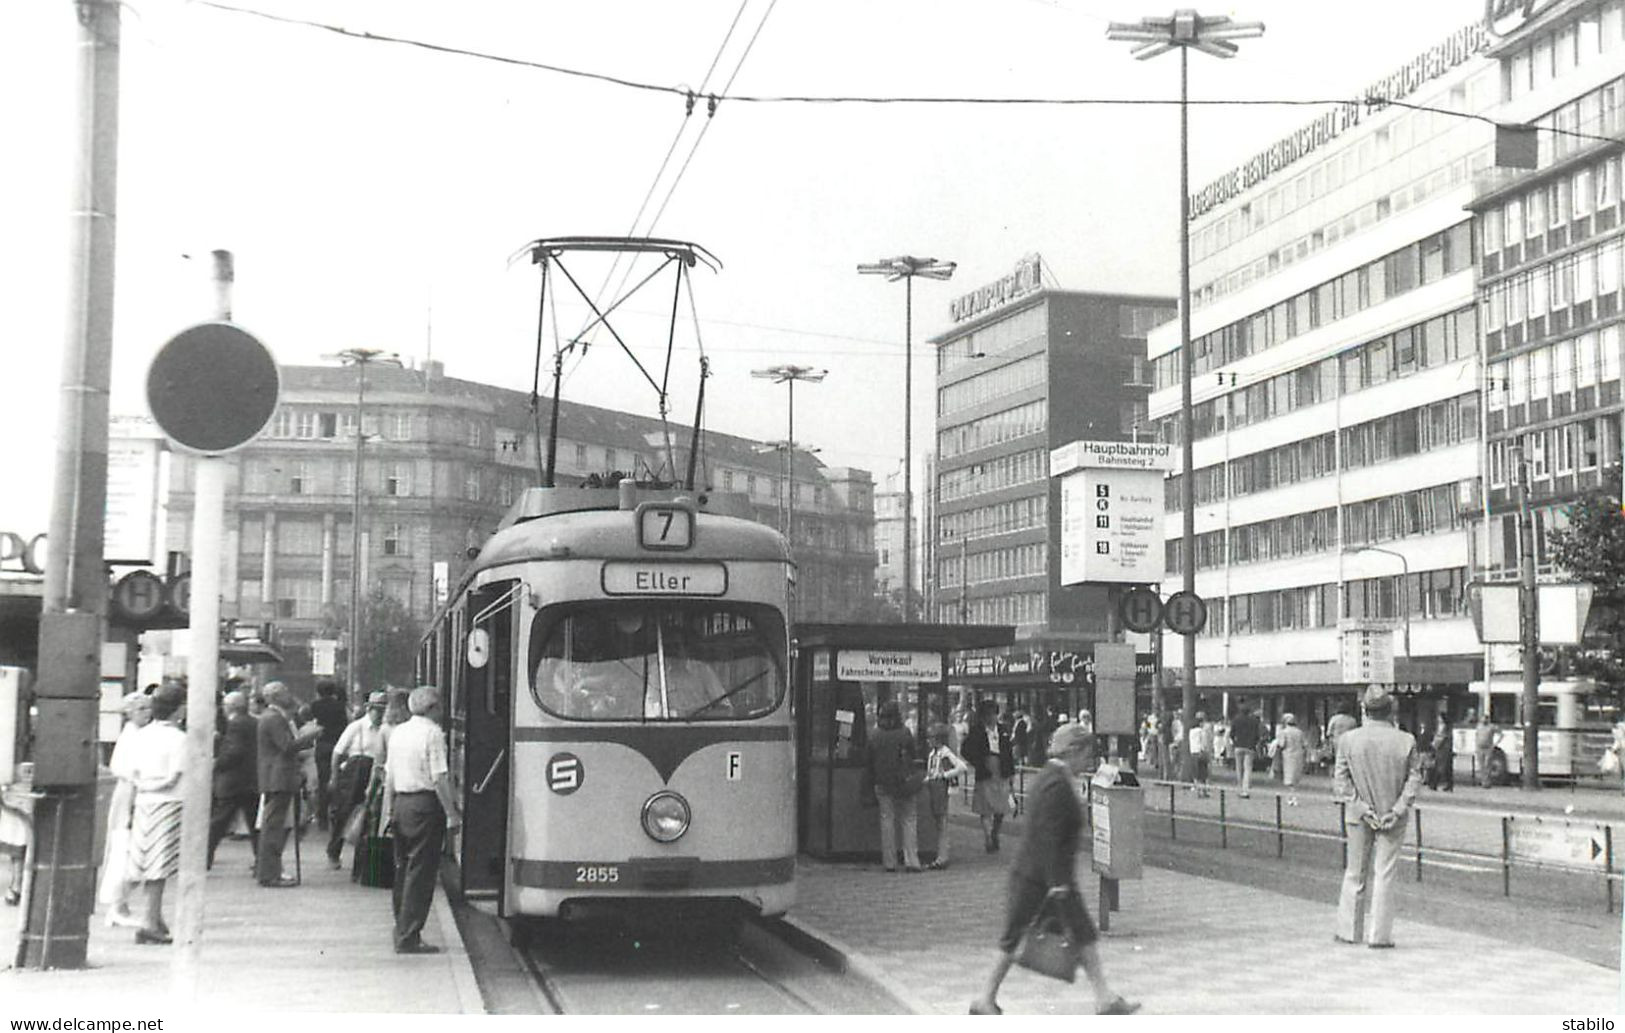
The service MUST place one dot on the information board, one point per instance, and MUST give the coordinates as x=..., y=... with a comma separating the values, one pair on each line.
x=1112, y=511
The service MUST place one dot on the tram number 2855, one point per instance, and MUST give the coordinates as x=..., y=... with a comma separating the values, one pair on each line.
x=597, y=873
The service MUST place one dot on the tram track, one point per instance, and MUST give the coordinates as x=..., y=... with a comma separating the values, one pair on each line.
x=654, y=963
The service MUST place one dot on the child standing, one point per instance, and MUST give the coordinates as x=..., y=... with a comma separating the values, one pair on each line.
x=943, y=770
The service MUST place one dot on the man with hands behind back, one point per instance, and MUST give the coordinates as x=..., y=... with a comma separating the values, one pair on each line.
x=1377, y=774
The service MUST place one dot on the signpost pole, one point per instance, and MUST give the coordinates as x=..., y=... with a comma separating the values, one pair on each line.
x=202, y=682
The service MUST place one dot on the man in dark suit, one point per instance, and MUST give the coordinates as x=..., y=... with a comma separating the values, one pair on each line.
x=1045, y=872
x=278, y=746
x=236, y=775
x=328, y=711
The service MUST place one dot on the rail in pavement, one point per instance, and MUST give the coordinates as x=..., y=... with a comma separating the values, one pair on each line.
x=320, y=947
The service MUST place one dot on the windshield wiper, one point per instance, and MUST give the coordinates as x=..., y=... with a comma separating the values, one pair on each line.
x=742, y=686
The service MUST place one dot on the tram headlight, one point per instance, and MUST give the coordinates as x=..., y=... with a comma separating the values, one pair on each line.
x=666, y=817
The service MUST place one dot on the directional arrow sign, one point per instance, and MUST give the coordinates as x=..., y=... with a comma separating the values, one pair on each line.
x=1548, y=842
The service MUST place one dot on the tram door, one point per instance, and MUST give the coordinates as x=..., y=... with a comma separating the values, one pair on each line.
x=488, y=674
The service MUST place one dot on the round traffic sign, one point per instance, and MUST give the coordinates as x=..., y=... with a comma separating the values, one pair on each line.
x=1140, y=610
x=138, y=596
x=180, y=595
x=212, y=387
x=1185, y=613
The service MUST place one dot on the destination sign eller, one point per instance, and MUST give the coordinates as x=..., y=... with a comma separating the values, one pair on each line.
x=625, y=578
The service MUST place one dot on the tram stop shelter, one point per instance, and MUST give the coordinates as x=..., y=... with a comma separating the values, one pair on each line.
x=843, y=673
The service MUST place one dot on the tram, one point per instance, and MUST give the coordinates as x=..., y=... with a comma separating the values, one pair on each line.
x=615, y=663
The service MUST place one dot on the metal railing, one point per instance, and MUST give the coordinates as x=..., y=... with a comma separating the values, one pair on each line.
x=1417, y=853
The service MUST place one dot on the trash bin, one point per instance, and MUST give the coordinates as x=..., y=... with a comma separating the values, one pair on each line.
x=1117, y=813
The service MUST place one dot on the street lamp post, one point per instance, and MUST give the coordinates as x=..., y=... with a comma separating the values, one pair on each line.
x=787, y=375
x=906, y=268
x=1404, y=585
x=360, y=358
x=1185, y=29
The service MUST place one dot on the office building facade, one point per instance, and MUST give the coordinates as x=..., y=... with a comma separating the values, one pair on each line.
x=1337, y=418
x=1026, y=368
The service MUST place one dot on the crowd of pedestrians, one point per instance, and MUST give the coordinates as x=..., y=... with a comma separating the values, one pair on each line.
x=280, y=768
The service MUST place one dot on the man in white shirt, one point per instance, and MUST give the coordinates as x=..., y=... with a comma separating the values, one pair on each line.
x=359, y=748
x=419, y=804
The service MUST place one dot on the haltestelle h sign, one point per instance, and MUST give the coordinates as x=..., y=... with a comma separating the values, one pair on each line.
x=213, y=387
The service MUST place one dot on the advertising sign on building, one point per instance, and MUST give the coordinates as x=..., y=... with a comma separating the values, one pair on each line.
x=1111, y=510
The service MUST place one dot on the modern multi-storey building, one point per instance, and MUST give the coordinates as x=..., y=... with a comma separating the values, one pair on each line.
x=1550, y=253
x=1026, y=368
x=1337, y=417
x=442, y=460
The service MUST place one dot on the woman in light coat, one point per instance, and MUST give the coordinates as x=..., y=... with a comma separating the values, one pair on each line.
x=1293, y=748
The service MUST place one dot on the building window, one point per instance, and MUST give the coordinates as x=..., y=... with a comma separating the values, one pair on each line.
x=727, y=480
x=327, y=424
x=611, y=460
x=299, y=480
x=281, y=424
x=304, y=424
x=299, y=598
x=474, y=436
x=471, y=485
x=505, y=491
x=400, y=426
x=398, y=479
x=394, y=540
x=299, y=537
x=581, y=457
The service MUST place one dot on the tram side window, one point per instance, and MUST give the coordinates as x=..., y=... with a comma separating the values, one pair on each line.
x=668, y=662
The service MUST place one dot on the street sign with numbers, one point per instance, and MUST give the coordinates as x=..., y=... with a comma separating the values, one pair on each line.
x=1140, y=610
x=1184, y=613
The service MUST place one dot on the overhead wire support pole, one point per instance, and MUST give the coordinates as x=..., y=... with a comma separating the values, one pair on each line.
x=55, y=928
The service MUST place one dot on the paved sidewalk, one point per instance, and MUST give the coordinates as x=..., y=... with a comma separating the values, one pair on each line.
x=321, y=947
x=1181, y=944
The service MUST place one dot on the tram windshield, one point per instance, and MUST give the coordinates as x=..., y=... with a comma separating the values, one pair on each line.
x=657, y=662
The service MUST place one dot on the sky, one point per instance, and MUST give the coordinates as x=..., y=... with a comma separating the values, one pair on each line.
x=375, y=194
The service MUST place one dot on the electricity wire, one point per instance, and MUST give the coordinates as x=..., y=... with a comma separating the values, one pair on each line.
x=1371, y=102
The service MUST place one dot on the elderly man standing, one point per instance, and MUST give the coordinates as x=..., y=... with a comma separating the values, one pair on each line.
x=1377, y=775
x=278, y=745
x=236, y=773
x=418, y=802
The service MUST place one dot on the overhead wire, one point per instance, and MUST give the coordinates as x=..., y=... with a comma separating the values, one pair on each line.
x=1371, y=102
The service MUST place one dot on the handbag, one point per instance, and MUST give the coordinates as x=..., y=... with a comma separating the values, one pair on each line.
x=1046, y=947
x=355, y=825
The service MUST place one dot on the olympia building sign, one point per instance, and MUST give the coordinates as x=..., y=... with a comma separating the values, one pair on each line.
x=1023, y=281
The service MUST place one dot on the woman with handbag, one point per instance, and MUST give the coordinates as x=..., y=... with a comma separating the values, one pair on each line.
x=943, y=770
x=897, y=786
x=1044, y=878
